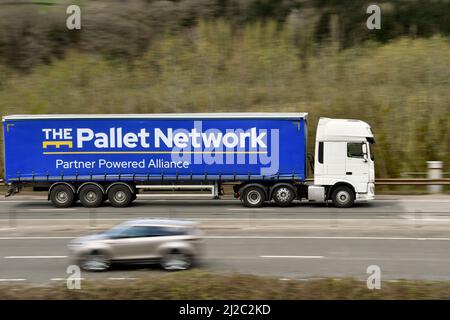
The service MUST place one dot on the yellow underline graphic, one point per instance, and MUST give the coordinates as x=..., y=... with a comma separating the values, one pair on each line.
x=57, y=144
x=152, y=152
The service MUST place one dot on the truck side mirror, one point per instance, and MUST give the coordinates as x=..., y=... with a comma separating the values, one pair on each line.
x=364, y=149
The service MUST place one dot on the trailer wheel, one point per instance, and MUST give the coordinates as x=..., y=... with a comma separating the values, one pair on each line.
x=91, y=196
x=283, y=196
x=62, y=196
x=253, y=197
x=343, y=197
x=120, y=196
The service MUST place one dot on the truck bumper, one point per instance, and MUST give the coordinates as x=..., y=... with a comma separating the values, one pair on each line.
x=370, y=195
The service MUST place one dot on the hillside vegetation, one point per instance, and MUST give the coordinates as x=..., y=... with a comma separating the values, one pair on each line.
x=401, y=88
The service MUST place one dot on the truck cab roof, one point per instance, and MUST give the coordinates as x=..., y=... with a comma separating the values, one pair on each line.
x=342, y=129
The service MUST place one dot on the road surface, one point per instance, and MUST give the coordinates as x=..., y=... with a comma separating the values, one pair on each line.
x=407, y=237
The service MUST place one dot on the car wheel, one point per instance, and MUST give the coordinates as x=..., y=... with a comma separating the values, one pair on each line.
x=62, y=196
x=253, y=197
x=95, y=262
x=283, y=196
x=343, y=197
x=174, y=261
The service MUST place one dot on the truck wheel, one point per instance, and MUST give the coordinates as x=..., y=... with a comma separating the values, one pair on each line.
x=91, y=196
x=253, y=197
x=62, y=196
x=343, y=197
x=283, y=196
x=120, y=196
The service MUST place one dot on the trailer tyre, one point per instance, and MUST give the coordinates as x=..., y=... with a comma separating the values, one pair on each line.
x=343, y=197
x=91, y=196
x=120, y=196
x=62, y=196
x=283, y=196
x=253, y=197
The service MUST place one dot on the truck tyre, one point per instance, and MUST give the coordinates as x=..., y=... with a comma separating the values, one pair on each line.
x=283, y=196
x=343, y=197
x=253, y=197
x=120, y=196
x=91, y=196
x=62, y=196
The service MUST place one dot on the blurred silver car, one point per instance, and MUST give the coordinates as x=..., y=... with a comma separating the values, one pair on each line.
x=174, y=244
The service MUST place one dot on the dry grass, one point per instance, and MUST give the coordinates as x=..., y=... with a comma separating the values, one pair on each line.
x=201, y=285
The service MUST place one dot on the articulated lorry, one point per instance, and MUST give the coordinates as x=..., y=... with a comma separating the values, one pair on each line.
x=263, y=156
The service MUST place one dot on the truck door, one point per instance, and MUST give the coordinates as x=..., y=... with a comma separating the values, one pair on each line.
x=335, y=159
x=357, y=165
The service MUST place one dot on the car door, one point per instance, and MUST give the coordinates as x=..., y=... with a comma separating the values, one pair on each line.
x=148, y=245
x=130, y=243
x=357, y=166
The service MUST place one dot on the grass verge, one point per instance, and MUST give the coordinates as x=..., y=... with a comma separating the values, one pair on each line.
x=197, y=284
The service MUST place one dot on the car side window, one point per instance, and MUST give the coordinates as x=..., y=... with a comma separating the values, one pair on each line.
x=151, y=231
x=134, y=232
x=355, y=150
x=155, y=232
x=173, y=231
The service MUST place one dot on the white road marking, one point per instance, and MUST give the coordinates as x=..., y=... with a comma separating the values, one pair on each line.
x=69, y=219
x=415, y=200
x=325, y=238
x=254, y=209
x=154, y=216
x=53, y=209
x=13, y=280
x=44, y=198
x=293, y=257
x=263, y=237
x=35, y=238
x=22, y=201
x=174, y=195
x=35, y=257
x=430, y=220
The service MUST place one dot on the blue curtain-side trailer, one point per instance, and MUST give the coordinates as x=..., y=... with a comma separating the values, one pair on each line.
x=93, y=158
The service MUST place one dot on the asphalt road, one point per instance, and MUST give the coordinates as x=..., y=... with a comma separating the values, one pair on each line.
x=409, y=238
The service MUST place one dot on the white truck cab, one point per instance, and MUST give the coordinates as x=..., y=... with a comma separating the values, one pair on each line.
x=344, y=169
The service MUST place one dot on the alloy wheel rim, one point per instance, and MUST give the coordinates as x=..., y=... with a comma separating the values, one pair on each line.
x=176, y=261
x=91, y=196
x=254, y=197
x=119, y=196
x=343, y=196
x=95, y=262
x=62, y=196
x=283, y=194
